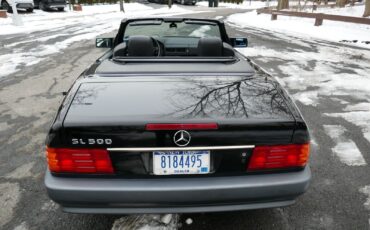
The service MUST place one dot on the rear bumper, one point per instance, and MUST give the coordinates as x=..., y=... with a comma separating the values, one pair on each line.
x=174, y=195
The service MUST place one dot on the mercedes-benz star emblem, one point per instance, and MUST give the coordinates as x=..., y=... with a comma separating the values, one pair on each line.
x=181, y=138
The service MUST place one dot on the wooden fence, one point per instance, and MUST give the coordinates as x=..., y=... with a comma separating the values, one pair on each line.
x=319, y=17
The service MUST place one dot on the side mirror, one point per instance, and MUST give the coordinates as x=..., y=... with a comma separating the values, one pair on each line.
x=239, y=42
x=104, y=42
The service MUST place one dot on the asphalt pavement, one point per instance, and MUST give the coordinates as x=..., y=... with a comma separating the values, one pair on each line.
x=30, y=97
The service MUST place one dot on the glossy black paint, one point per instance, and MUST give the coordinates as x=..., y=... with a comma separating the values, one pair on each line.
x=244, y=108
x=111, y=102
x=115, y=101
x=249, y=110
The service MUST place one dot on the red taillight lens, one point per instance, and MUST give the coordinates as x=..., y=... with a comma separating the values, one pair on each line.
x=63, y=160
x=279, y=156
x=192, y=126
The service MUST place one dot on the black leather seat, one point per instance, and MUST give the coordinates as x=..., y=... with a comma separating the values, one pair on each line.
x=138, y=46
x=210, y=47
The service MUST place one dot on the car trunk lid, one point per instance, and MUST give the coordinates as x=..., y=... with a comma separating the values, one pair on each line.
x=248, y=110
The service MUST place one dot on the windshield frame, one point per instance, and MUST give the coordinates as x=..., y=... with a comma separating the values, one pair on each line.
x=162, y=29
x=120, y=35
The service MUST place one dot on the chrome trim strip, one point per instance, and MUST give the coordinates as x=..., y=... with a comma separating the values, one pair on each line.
x=147, y=149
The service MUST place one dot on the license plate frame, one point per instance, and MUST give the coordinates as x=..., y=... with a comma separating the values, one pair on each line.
x=193, y=162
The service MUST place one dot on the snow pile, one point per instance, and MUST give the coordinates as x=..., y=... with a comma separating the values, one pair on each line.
x=147, y=222
x=304, y=27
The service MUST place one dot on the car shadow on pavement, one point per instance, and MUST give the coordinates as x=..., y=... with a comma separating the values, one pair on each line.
x=251, y=219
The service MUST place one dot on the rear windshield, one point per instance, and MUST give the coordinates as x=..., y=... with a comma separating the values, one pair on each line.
x=172, y=29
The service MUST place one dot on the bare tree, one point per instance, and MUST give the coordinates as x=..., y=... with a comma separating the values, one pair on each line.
x=121, y=6
x=85, y=96
x=240, y=98
x=367, y=9
x=283, y=4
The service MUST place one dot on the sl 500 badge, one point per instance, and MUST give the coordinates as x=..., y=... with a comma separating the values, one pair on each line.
x=91, y=141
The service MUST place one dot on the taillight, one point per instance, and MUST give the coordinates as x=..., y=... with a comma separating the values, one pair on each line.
x=179, y=126
x=279, y=156
x=66, y=160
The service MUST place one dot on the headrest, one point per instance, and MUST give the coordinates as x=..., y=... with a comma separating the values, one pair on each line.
x=210, y=47
x=140, y=46
x=120, y=50
x=228, y=50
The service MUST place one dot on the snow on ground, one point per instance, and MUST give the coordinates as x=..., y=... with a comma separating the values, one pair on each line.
x=315, y=74
x=76, y=26
x=360, y=118
x=324, y=75
x=356, y=11
x=304, y=27
x=41, y=20
x=344, y=148
x=9, y=198
x=366, y=191
x=244, y=5
x=147, y=222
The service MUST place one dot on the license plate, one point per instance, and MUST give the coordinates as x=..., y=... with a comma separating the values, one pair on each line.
x=180, y=162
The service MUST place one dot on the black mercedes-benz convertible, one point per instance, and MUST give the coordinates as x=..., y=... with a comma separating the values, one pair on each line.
x=173, y=119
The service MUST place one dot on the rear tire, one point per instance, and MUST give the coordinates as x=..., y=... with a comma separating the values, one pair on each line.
x=5, y=5
x=42, y=6
x=36, y=4
x=61, y=9
x=30, y=10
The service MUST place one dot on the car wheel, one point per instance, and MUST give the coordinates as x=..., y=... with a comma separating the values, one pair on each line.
x=5, y=5
x=42, y=6
x=61, y=9
x=30, y=10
